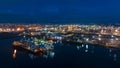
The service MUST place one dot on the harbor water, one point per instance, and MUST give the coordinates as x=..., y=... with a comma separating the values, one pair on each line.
x=63, y=56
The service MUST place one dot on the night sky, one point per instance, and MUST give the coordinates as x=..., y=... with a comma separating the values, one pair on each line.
x=60, y=11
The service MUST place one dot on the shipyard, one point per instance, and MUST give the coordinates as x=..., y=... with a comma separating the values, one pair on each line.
x=108, y=36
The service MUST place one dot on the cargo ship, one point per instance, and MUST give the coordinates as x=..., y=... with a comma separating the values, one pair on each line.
x=34, y=46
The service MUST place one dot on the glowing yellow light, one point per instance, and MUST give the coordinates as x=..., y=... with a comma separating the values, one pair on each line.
x=116, y=30
x=14, y=53
x=18, y=29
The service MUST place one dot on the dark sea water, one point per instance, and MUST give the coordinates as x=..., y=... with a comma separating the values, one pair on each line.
x=66, y=56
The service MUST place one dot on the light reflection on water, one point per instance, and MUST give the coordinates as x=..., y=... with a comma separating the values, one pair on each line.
x=85, y=48
x=90, y=49
x=69, y=54
x=50, y=54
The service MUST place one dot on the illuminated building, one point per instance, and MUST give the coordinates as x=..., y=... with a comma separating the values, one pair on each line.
x=70, y=27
